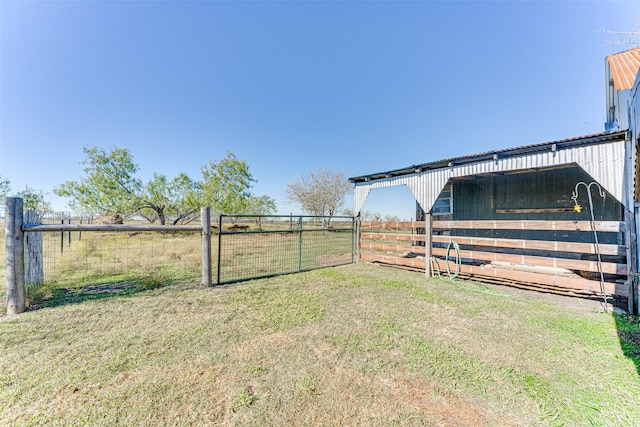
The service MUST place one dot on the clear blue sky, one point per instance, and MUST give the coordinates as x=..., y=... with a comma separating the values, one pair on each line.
x=292, y=86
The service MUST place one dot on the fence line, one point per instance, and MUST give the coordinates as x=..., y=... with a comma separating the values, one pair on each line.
x=24, y=238
x=557, y=256
x=115, y=257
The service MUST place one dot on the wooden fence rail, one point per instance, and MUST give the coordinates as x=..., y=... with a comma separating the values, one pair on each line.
x=554, y=264
x=17, y=233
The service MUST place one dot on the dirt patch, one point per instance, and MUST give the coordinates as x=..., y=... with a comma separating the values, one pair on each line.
x=577, y=302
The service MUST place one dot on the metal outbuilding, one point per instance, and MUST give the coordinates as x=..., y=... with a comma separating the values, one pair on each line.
x=514, y=206
x=604, y=156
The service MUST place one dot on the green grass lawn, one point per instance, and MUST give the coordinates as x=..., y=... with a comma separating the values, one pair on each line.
x=352, y=345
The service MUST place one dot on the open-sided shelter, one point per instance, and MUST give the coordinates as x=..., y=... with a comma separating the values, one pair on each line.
x=559, y=215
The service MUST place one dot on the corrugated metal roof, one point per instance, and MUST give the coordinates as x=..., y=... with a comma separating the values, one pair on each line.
x=595, y=138
x=624, y=68
x=601, y=155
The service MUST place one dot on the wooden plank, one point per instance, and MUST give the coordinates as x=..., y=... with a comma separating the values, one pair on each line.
x=392, y=225
x=394, y=260
x=538, y=287
x=570, y=282
x=545, y=245
x=390, y=247
x=535, y=211
x=560, y=281
x=394, y=236
x=524, y=260
x=537, y=261
x=604, y=226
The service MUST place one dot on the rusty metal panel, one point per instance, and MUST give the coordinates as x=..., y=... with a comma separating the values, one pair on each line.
x=624, y=68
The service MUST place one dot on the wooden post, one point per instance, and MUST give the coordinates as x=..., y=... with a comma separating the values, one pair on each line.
x=300, y=244
x=33, y=260
x=69, y=233
x=428, y=242
x=14, y=252
x=633, y=261
x=205, y=221
x=358, y=237
x=219, y=264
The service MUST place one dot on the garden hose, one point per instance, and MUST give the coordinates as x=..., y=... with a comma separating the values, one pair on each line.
x=435, y=268
x=434, y=262
x=456, y=247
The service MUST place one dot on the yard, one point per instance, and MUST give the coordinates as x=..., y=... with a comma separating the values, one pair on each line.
x=354, y=345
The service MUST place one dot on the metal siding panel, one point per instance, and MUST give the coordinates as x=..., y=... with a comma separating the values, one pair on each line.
x=604, y=162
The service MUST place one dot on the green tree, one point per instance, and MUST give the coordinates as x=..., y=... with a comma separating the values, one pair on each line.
x=110, y=185
x=177, y=200
x=34, y=199
x=261, y=205
x=321, y=193
x=155, y=199
x=186, y=199
x=226, y=185
x=5, y=188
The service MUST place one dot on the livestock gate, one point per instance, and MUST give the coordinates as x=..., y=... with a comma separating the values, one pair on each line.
x=257, y=246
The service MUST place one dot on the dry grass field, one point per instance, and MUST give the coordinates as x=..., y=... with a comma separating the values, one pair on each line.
x=352, y=345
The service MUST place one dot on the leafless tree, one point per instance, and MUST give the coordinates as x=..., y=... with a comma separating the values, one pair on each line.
x=320, y=193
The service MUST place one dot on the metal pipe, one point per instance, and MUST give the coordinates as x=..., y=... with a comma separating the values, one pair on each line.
x=574, y=196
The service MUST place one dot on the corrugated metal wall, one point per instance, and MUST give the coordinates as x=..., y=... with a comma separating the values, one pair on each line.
x=604, y=162
x=492, y=197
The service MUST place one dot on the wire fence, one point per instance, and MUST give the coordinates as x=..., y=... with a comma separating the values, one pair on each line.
x=2, y=249
x=256, y=246
x=84, y=256
x=243, y=247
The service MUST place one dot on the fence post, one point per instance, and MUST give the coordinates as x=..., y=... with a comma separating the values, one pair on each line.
x=299, y=244
x=428, y=242
x=14, y=252
x=358, y=237
x=205, y=221
x=219, y=265
x=33, y=259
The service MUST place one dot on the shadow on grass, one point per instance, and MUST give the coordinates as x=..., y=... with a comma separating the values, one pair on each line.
x=628, y=327
x=56, y=295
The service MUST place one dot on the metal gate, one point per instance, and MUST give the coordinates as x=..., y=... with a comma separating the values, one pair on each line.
x=258, y=246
